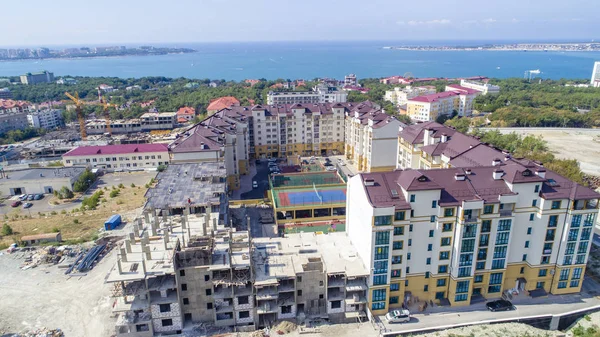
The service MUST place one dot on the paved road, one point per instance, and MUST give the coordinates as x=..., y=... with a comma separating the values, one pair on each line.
x=262, y=178
x=526, y=306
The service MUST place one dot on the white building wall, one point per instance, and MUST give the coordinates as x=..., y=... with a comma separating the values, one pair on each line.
x=359, y=218
x=124, y=161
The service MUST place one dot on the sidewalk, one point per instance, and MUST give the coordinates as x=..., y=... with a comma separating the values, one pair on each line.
x=245, y=182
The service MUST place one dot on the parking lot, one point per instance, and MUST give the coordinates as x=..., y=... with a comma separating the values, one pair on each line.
x=261, y=176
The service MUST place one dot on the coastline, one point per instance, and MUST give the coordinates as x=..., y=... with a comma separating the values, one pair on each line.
x=91, y=57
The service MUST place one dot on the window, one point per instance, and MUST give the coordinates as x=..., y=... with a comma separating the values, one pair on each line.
x=574, y=284
x=502, y=238
x=478, y=279
x=553, y=221
x=468, y=245
x=570, y=248
x=445, y=242
x=461, y=297
x=208, y=292
x=408, y=256
x=412, y=198
x=540, y=285
x=441, y=282
x=393, y=299
x=444, y=255
x=299, y=292
x=186, y=301
x=498, y=264
x=243, y=300
x=167, y=322
x=407, y=270
x=537, y=188
x=524, y=258
x=504, y=225
x=429, y=247
x=562, y=285
x=431, y=233
x=432, y=218
x=464, y=271
x=183, y=287
x=182, y=272
x=442, y=269
x=545, y=260
x=396, y=259
x=246, y=314
x=573, y=234
x=394, y=286
x=383, y=220
x=528, y=230
x=434, y=204
x=484, y=240
x=398, y=245
x=482, y=254
x=469, y=231
x=526, y=244
x=568, y=260
x=522, y=271
x=589, y=220
x=500, y=252
x=377, y=280
x=576, y=273
x=409, y=242
x=209, y=305
x=380, y=267
x=410, y=228
x=576, y=220
x=378, y=295
x=486, y=226
x=531, y=217
x=165, y=307
x=582, y=249
x=462, y=287
x=555, y=204
x=488, y=209
x=448, y=211
x=585, y=233
x=494, y=289
x=428, y=261
x=378, y=306
x=399, y=230
x=381, y=253
x=426, y=288
x=447, y=227
x=534, y=203
x=480, y=265
x=400, y=215
x=542, y=272
x=382, y=238
x=564, y=274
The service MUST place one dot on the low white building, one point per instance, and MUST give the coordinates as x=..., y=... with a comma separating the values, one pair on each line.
x=38, y=180
x=485, y=88
x=121, y=157
x=320, y=94
x=400, y=96
x=45, y=119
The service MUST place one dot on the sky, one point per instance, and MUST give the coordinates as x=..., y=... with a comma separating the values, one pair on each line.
x=68, y=22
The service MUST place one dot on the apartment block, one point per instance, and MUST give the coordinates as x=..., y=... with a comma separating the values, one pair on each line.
x=5, y=93
x=400, y=96
x=455, y=99
x=39, y=77
x=149, y=121
x=45, y=119
x=320, y=94
x=457, y=236
x=370, y=137
x=484, y=87
x=118, y=157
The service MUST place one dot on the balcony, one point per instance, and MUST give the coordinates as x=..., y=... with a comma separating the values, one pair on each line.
x=470, y=218
x=506, y=212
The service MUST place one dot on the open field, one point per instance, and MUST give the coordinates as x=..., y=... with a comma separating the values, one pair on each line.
x=568, y=143
x=83, y=225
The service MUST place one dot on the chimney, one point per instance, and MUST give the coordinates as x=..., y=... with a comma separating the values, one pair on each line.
x=444, y=138
x=468, y=171
x=541, y=173
x=498, y=174
x=427, y=137
x=496, y=162
x=459, y=177
x=369, y=182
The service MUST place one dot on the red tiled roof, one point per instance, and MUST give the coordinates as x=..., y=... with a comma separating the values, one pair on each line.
x=181, y=119
x=186, y=111
x=9, y=104
x=223, y=103
x=433, y=97
x=116, y=149
x=464, y=90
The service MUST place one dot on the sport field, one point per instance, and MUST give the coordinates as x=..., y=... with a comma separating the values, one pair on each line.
x=309, y=197
x=76, y=226
x=306, y=179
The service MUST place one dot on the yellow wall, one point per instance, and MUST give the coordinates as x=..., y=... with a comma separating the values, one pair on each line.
x=381, y=169
x=243, y=166
x=233, y=181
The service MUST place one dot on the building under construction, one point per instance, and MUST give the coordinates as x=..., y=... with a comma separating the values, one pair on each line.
x=177, y=270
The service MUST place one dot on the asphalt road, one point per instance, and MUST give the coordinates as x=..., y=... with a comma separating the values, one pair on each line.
x=262, y=178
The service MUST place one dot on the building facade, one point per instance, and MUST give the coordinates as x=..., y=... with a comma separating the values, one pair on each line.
x=35, y=78
x=38, y=180
x=595, y=75
x=147, y=122
x=457, y=236
x=118, y=157
x=455, y=99
x=400, y=96
x=5, y=93
x=320, y=94
x=45, y=119
x=484, y=87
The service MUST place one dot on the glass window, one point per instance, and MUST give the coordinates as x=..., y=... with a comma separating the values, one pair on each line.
x=585, y=234
x=409, y=242
x=434, y=204
x=444, y=255
x=378, y=306
x=500, y=252
x=570, y=248
x=395, y=273
x=441, y=282
x=393, y=299
x=542, y=272
x=447, y=227
x=550, y=233
x=478, y=278
x=537, y=188
x=461, y=297
x=429, y=247
x=553, y=221
x=534, y=203
x=462, y=287
x=469, y=231
x=448, y=211
x=494, y=289
x=468, y=245
x=498, y=264
x=394, y=286
x=564, y=274
x=574, y=284
x=531, y=217
x=529, y=230
x=480, y=265
x=526, y=244
x=400, y=215
x=383, y=220
x=408, y=256
x=442, y=269
x=504, y=225
x=432, y=218
x=589, y=220
x=576, y=220
x=486, y=226
x=382, y=238
x=582, y=249
x=398, y=245
x=482, y=254
x=502, y=238
x=428, y=261
x=379, y=279
x=573, y=234
x=580, y=259
x=568, y=260
x=445, y=242
x=524, y=258
x=413, y=198
x=488, y=209
x=431, y=233
x=484, y=240
x=396, y=259
x=562, y=285
x=381, y=253
x=576, y=273
x=555, y=204
x=399, y=230
x=380, y=267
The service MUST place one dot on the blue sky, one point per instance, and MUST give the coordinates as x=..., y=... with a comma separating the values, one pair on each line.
x=62, y=22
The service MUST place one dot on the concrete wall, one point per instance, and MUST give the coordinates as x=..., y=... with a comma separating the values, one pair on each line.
x=359, y=219
x=34, y=186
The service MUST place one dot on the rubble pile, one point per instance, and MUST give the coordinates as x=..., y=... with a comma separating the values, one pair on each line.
x=47, y=255
x=43, y=332
x=592, y=181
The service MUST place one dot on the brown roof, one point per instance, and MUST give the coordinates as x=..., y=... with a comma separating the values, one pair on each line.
x=414, y=134
x=222, y=103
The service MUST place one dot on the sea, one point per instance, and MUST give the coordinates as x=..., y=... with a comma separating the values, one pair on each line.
x=308, y=60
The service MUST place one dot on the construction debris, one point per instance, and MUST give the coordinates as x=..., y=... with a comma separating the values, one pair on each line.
x=43, y=332
x=284, y=327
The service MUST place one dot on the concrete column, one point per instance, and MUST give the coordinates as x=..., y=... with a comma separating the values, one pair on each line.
x=164, y=215
x=128, y=246
x=214, y=224
x=148, y=253
x=123, y=254
x=136, y=230
x=146, y=216
x=153, y=228
x=119, y=266
x=131, y=236
x=184, y=222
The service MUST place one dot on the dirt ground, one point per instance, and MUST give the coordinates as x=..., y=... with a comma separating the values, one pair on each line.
x=78, y=225
x=45, y=297
x=580, y=144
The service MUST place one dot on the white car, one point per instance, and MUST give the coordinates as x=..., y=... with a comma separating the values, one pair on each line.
x=398, y=316
x=254, y=184
x=331, y=168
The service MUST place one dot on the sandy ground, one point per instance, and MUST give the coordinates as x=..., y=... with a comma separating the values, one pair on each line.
x=569, y=143
x=45, y=297
x=495, y=330
x=591, y=321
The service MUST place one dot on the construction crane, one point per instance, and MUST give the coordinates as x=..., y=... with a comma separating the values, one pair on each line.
x=105, y=105
x=79, y=110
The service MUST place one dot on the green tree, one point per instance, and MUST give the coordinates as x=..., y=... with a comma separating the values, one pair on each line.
x=6, y=230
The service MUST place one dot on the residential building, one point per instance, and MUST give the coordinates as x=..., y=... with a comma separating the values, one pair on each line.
x=370, y=137
x=457, y=236
x=147, y=122
x=192, y=85
x=158, y=121
x=221, y=103
x=13, y=115
x=5, y=93
x=67, y=81
x=118, y=157
x=596, y=74
x=400, y=96
x=395, y=80
x=320, y=94
x=133, y=88
x=455, y=99
x=484, y=87
x=45, y=119
x=106, y=88
x=186, y=114
x=35, y=78
x=38, y=180
x=351, y=81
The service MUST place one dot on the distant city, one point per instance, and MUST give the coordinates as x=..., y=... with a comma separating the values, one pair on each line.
x=509, y=47
x=45, y=53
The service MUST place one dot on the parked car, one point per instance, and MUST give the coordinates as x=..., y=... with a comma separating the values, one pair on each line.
x=500, y=305
x=30, y=197
x=273, y=168
x=254, y=184
x=27, y=205
x=23, y=197
x=398, y=316
x=271, y=164
x=16, y=203
x=272, y=160
x=331, y=168
x=38, y=196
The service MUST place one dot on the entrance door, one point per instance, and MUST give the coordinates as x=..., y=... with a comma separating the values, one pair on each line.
x=48, y=189
x=476, y=291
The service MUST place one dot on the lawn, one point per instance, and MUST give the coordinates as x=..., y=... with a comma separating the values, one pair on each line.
x=75, y=225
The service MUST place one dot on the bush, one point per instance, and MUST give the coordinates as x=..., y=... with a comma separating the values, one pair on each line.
x=6, y=230
x=114, y=193
x=64, y=193
x=63, y=212
x=84, y=182
x=75, y=221
x=54, y=213
x=132, y=185
x=92, y=202
x=121, y=186
x=55, y=230
x=120, y=202
x=161, y=168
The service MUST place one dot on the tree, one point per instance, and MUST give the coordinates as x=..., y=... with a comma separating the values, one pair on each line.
x=6, y=230
x=84, y=181
x=64, y=193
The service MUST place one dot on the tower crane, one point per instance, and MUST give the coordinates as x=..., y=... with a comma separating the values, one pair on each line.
x=78, y=109
x=106, y=105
